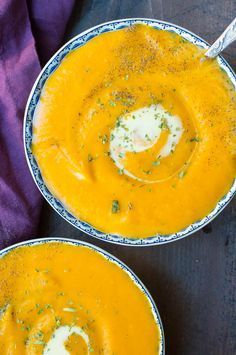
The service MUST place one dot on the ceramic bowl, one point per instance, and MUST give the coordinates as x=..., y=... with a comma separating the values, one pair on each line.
x=109, y=257
x=53, y=63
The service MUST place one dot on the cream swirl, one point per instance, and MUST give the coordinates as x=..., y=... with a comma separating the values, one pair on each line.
x=139, y=130
x=56, y=345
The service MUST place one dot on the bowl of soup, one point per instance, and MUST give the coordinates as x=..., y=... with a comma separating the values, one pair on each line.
x=61, y=296
x=130, y=132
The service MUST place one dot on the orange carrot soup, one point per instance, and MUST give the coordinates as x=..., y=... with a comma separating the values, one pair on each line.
x=64, y=299
x=135, y=132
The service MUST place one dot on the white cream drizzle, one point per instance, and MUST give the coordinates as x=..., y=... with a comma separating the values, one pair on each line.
x=56, y=345
x=139, y=130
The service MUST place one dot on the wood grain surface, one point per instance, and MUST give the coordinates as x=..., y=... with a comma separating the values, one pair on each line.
x=193, y=281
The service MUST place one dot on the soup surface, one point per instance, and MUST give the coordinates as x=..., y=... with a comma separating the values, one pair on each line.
x=61, y=299
x=135, y=132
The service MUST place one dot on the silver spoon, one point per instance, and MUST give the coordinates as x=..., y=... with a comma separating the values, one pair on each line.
x=227, y=37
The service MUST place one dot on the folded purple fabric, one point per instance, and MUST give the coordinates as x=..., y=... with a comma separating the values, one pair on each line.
x=30, y=31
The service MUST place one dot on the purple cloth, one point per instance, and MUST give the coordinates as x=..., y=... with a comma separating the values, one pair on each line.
x=30, y=32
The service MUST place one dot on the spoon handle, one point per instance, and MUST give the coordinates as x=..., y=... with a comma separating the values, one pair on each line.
x=227, y=37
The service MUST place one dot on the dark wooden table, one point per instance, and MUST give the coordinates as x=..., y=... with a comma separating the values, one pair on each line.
x=193, y=281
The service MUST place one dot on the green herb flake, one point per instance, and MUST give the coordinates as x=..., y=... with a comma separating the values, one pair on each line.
x=39, y=335
x=195, y=139
x=69, y=309
x=156, y=162
x=38, y=342
x=183, y=40
x=118, y=122
x=90, y=158
x=115, y=208
x=120, y=171
x=104, y=138
x=164, y=125
x=99, y=102
x=182, y=174
x=58, y=321
x=130, y=206
x=148, y=172
x=61, y=294
x=112, y=103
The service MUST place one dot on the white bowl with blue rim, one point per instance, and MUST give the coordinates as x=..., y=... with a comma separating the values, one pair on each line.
x=53, y=63
x=109, y=257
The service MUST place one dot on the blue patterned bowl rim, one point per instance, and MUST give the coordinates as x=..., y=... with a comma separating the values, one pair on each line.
x=109, y=257
x=53, y=63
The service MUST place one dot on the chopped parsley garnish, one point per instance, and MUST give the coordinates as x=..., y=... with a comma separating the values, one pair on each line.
x=148, y=172
x=163, y=124
x=118, y=122
x=121, y=171
x=130, y=206
x=60, y=294
x=104, y=138
x=39, y=335
x=195, y=139
x=69, y=309
x=100, y=103
x=156, y=163
x=182, y=174
x=115, y=208
x=121, y=155
x=183, y=40
x=112, y=103
x=90, y=158
x=58, y=321
x=124, y=126
x=38, y=342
